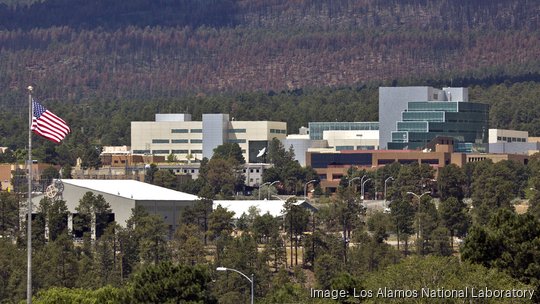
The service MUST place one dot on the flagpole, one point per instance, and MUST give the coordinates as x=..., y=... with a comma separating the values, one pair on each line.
x=29, y=219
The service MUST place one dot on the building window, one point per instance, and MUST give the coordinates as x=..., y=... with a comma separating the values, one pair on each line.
x=237, y=131
x=180, y=151
x=196, y=151
x=179, y=130
x=196, y=130
x=141, y=151
x=179, y=141
x=160, y=141
x=196, y=141
x=278, y=131
x=160, y=151
x=499, y=138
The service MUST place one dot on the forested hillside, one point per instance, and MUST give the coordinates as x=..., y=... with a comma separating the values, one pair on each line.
x=204, y=55
x=156, y=48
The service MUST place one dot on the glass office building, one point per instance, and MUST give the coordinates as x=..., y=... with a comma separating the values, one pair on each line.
x=316, y=129
x=423, y=121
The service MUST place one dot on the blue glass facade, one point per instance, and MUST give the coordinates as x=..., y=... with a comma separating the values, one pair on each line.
x=422, y=121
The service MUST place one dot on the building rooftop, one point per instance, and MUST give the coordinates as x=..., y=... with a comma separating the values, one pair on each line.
x=274, y=207
x=131, y=189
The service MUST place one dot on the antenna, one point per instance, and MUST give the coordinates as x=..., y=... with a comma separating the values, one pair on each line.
x=261, y=152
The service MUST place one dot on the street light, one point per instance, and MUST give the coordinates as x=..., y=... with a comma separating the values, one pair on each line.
x=305, y=188
x=351, y=180
x=245, y=276
x=271, y=184
x=362, y=192
x=418, y=197
x=385, y=181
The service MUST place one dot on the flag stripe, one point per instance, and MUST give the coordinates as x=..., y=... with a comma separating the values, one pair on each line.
x=47, y=124
x=53, y=119
x=46, y=130
x=46, y=135
x=52, y=126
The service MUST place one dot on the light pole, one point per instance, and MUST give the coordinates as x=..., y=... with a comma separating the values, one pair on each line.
x=271, y=184
x=353, y=179
x=305, y=188
x=252, y=280
x=385, y=181
x=363, y=183
x=419, y=197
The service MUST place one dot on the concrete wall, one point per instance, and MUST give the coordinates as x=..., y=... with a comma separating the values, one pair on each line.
x=215, y=127
x=514, y=147
x=392, y=101
x=121, y=207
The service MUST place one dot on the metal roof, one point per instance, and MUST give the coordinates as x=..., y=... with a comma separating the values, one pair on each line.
x=131, y=189
x=274, y=207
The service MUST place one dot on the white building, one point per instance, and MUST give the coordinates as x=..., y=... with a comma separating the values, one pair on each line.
x=192, y=140
x=352, y=140
x=274, y=207
x=512, y=141
x=501, y=135
x=123, y=196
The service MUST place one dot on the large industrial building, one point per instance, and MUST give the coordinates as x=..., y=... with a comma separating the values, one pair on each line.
x=410, y=117
x=123, y=196
x=192, y=140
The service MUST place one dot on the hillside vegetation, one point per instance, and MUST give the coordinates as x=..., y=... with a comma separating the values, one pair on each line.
x=163, y=48
x=294, y=61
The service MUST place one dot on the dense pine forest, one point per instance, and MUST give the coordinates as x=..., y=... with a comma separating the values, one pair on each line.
x=103, y=63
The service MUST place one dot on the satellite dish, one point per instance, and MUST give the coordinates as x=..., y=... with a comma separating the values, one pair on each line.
x=261, y=152
x=51, y=191
x=55, y=189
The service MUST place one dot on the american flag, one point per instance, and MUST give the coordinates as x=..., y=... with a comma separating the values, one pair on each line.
x=47, y=124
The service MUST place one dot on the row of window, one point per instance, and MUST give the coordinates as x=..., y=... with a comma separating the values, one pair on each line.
x=176, y=141
x=278, y=131
x=186, y=130
x=511, y=139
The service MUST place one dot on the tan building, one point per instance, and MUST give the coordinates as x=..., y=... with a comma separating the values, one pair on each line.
x=192, y=140
x=6, y=173
x=332, y=166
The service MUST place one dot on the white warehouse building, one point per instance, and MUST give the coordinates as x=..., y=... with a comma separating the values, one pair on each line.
x=123, y=196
